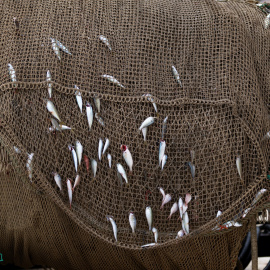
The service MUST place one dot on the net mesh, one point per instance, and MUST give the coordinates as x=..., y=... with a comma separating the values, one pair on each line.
x=221, y=111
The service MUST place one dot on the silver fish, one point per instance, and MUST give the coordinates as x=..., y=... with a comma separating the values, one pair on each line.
x=267, y=21
x=147, y=122
x=149, y=245
x=185, y=223
x=29, y=166
x=97, y=103
x=166, y=200
x=69, y=187
x=12, y=73
x=164, y=127
x=51, y=108
x=150, y=98
x=55, y=48
x=163, y=161
x=192, y=169
x=144, y=132
x=155, y=232
x=64, y=127
x=17, y=150
x=162, y=146
x=62, y=47
x=110, y=218
x=161, y=190
x=100, y=120
x=258, y=196
x=149, y=216
x=180, y=234
x=219, y=213
x=173, y=210
x=176, y=75
x=246, y=212
x=94, y=167
x=57, y=180
x=105, y=41
x=79, y=151
x=49, y=79
x=109, y=160
x=77, y=182
x=127, y=156
x=78, y=97
x=55, y=124
x=107, y=143
x=132, y=221
x=100, y=145
x=74, y=155
x=239, y=166
x=89, y=114
x=180, y=206
x=112, y=79
x=122, y=171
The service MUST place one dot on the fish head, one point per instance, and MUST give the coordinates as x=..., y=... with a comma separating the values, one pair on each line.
x=87, y=104
x=70, y=147
x=108, y=217
x=123, y=147
x=154, y=230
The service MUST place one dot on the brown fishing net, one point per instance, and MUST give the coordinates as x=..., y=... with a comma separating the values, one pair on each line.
x=221, y=52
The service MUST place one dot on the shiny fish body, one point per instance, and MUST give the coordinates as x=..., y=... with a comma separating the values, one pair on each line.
x=188, y=198
x=58, y=180
x=74, y=155
x=100, y=120
x=110, y=218
x=164, y=127
x=155, y=232
x=162, y=146
x=55, y=48
x=100, y=146
x=97, y=103
x=122, y=171
x=180, y=206
x=69, y=187
x=149, y=245
x=185, y=223
x=89, y=114
x=132, y=221
x=64, y=127
x=258, y=196
x=51, y=108
x=12, y=73
x=161, y=190
x=150, y=98
x=163, y=161
x=105, y=41
x=49, y=79
x=77, y=181
x=267, y=21
x=112, y=79
x=29, y=166
x=79, y=151
x=219, y=213
x=166, y=200
x=147, y=122
x=144, y=132
x=176, y=75
x=173, y=210
x=94, y=167
x=109, y=160
x=127, y=156
x=78, y=98
x=180, y=234
x=55, y=124
x=62, y=47
x=239, y=166
x=149, y=216
x=107, y=143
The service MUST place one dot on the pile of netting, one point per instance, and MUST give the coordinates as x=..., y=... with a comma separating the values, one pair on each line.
x=127, y=100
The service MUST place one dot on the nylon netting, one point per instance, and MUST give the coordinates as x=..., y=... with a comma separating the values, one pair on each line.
x=220, y=50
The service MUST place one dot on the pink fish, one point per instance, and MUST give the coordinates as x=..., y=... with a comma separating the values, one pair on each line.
x=167, y=198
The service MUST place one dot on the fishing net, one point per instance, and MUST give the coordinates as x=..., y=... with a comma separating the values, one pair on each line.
x=221, y=112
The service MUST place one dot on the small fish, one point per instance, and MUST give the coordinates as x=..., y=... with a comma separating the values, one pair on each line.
x=78, y=98
x=166, y=200
x=86, y=161
x=173, y=210
x=267, y=21
x=62, y=47
x=246, y=212
x=144, y=132
x=110, y=218
x=100, y=145
x=239, y=166
x=219, y=213
x=64, y=127
x=176, y=75
x=149, y=216
x=258, y=196
x=192, y=154
x=127, y=156
x=187, y=198
x=122, y=171
x=57, y=180
x=49, y=79
x=163, y=162
x=97, y=103
x=162, y=146
x=107, y=143
x=164, y=127
x=192, y=168
x=100, y=120
x=69, y=187
x=180, y=206
x=185, y=223
x=109, y=160
x=132, y=221
x=55, y=124
x=29, y=166
x=105, y=41
x=55, y=48
x=79, y=151
x=51, y=108
x=94, y=167
x=149, y=245
x=17, y=150
x=150, y=98
x=112, y=79
x=180, y=234
x=147, y=122
x=74, y=155
x=155, y=232
x=77, y=182
x=89, y=114
x=12, y=73
x=161, y=190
